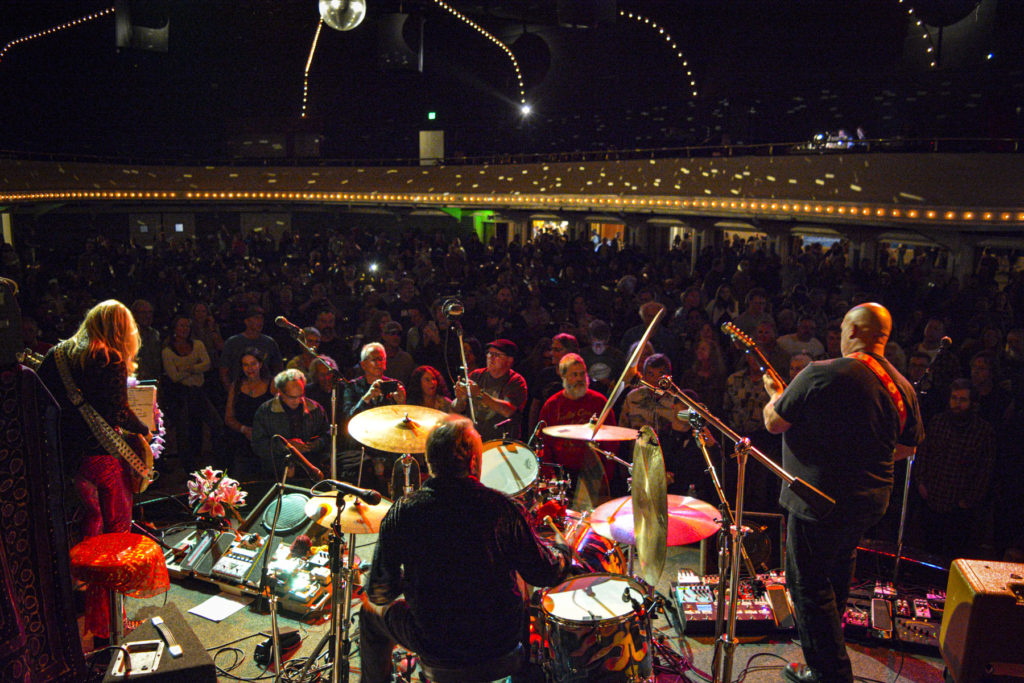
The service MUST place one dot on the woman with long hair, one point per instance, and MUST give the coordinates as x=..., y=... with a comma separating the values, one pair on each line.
x=428, y=388
x=101, y=355
x=186, y=362
x=251, y=390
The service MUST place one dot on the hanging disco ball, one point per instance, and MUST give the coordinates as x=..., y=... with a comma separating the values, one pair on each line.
x=343, y=15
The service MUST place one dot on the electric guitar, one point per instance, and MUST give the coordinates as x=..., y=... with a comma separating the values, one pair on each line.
x=750, y=346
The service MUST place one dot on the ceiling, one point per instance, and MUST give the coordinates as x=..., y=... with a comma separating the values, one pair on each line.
x=236, y=68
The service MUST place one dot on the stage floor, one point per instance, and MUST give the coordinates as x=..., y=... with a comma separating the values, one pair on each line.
x=756, y=658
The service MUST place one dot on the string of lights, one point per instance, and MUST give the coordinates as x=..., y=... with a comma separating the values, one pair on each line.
x=504, y=48
x=925, y=34
x=309, y=63
x=54, y=29
x=645, y=21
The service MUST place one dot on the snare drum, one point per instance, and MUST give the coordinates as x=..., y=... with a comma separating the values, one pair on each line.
x=594, y=631
x=509, y=466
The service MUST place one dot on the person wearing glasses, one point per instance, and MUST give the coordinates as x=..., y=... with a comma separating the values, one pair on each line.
x=498, y=392
x=298, y=419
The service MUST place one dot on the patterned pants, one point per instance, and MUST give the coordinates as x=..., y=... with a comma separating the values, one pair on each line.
x=104, y=485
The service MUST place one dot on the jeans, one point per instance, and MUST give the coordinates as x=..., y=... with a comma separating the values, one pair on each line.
x=820, y=558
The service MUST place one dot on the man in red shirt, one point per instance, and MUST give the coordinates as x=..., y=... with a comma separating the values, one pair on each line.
x=576, y=404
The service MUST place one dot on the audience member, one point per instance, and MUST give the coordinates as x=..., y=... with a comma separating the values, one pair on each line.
x=247, y=393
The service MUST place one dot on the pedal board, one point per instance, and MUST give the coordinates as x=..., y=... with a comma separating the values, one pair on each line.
x=900, y=618
x=758, y=611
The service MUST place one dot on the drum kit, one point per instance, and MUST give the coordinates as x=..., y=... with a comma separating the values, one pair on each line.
x=596, y=625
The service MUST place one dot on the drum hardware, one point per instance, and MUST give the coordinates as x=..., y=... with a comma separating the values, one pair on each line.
x=725, y=646
x=407, y=471
x=561, y=539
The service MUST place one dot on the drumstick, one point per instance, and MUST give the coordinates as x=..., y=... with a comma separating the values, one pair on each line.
x=561, y=539
x=515, y=475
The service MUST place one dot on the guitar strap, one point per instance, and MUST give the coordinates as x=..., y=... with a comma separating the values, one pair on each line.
x=108, y=437
x=887, y=382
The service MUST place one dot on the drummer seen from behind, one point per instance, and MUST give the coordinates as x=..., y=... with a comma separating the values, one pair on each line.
x=575, y=404
x=453, y=549
x=498, y=392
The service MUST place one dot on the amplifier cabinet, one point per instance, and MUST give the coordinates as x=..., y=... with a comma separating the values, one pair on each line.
x=982, y=633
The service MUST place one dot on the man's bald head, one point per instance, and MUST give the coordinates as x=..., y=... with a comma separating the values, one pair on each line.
x=866, y=327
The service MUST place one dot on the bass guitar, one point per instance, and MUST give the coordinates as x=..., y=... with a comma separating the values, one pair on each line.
x=750, y=346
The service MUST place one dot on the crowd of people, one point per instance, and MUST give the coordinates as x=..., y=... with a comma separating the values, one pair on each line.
x=551, y=319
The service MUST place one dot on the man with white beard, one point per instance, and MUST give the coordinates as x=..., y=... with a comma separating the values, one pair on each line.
x=575, y=404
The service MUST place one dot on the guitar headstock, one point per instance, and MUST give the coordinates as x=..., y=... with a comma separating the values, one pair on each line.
x=738, y=335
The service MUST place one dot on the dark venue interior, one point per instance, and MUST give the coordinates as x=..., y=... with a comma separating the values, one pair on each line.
x=550, y=182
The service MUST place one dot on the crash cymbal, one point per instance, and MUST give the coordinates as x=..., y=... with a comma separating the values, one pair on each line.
x=394, y=429
x=649, y=498
x=689, y=520
x=357, y=517
x=586, y=432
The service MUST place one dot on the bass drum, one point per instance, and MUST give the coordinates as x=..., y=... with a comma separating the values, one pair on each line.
x=594, y=631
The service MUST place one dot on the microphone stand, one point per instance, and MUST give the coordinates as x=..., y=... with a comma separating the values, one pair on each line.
x=465, y=368
x=334, y=402
x=944, y=344
x=697, y=425
x=264, y=580
x=725, y=647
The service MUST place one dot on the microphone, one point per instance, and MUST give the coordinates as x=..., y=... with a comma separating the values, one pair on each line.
x=536, y=430
x=306, y=464
x=283, y=322
x=366, y=495
x=453, y=308
x=686, y=413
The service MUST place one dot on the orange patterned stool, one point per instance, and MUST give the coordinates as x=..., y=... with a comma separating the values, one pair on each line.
x=119, y=564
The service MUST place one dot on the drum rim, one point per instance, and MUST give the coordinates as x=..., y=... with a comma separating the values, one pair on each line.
x=533, y=482
x=567, y=621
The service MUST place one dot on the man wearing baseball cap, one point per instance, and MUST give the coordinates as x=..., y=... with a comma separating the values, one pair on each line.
x=498, y=393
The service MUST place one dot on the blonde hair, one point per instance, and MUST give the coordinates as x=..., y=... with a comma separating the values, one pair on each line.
x=108, y=328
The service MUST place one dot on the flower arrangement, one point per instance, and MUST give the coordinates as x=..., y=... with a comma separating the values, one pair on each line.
x=215, y=495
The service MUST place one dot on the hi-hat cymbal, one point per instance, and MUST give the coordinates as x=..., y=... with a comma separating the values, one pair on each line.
x=357, y=517
x=394, y=429
x=689, y=520
x=586, y=432
x=649, y=498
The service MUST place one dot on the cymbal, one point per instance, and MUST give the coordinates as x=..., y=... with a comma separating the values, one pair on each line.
x=357, y=517
x=394, y=429
x=586, y=432
x=689, y=520
x=649, y=497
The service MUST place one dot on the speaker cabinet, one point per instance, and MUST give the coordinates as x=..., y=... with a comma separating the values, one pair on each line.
x=194, y=665
x=982, y=634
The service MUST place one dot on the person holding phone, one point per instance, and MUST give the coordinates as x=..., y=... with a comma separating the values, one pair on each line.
x=372, y=390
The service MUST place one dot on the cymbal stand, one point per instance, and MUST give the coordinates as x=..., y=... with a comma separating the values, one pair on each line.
x=340, y=648
x=631, y=550
x=725, y=648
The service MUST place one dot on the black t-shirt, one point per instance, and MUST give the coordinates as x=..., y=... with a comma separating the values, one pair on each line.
x=844, y=430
